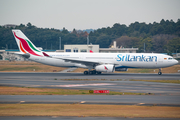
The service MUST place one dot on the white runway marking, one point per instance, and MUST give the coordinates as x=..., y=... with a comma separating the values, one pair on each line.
x=77, y=85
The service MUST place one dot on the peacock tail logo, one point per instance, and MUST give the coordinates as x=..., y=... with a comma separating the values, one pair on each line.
x=26, y=46
x=105, y=68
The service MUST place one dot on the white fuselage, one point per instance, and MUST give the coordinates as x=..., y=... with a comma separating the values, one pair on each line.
x=120, y=60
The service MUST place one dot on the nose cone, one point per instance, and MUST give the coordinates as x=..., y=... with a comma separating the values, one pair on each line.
x=176, y=62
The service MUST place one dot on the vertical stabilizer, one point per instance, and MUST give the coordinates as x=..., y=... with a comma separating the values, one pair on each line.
x=25, y=45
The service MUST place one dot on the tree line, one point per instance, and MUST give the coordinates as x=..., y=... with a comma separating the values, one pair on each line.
x=163, y=37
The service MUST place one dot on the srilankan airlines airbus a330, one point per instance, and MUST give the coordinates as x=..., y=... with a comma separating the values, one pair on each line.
x=94, y=62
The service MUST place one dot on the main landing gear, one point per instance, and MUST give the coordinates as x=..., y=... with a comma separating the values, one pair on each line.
x=91, y=72
x=159, y=73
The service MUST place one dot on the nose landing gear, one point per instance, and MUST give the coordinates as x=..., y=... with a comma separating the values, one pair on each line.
x=159, y=73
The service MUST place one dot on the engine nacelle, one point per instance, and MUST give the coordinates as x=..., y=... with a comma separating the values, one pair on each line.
x=105, y=68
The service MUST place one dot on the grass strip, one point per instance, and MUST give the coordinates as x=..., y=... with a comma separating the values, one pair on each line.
x=80, y=79
x=160, y=81
x=47, y=91
x=88, y=110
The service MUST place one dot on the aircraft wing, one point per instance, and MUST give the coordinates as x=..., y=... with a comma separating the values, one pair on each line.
x=85, y=62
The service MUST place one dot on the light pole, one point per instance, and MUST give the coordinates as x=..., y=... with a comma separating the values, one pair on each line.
x=87, y=43
x=59, y=43
x=87, y=40
x=176, y=52
x=144, y=47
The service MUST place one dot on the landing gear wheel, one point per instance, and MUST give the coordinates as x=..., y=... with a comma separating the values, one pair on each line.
x=90, y=72
x=94, y=71
x=159, y=73
x=98, y=73
x=85, y=72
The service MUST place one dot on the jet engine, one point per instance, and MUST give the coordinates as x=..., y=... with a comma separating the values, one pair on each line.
x=105, y=68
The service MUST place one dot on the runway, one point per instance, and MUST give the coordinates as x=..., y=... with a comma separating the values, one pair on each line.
x=112, y=82
x=167, y=94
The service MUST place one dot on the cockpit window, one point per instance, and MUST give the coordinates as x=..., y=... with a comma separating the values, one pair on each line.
x=170, y=58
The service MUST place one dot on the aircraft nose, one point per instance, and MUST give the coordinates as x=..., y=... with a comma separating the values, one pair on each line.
x=176, y=62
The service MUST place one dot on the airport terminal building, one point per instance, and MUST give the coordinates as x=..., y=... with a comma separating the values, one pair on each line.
x=96, y=49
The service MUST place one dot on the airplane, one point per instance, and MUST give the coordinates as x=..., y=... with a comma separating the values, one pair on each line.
x=96, y=63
